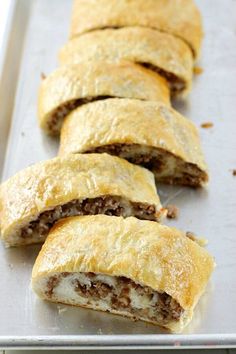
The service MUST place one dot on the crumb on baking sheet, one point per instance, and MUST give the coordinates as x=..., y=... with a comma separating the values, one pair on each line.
x=43, y=76
x=207, y=125
x=191, y=235
x=22, y=134
x=172, y=211
x=197, y=70
x=234, y=172
x=61, y=309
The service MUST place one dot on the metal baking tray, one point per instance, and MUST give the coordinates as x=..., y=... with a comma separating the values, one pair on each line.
x=36, y=30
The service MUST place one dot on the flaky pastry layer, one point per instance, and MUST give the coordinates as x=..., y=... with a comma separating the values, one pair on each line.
x=178, y=17
x=160, y=52
x=35, y=198
x=73, y=85
x=136, y=268
x=145, y=133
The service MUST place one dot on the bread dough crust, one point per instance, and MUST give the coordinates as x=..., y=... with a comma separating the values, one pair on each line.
x=180, y=18
x=149, y=253
x=160, y=51
x=126, y=121
x=90, y=81
x=50, y=183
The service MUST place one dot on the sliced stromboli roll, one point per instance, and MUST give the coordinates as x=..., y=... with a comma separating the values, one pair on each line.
x=73, y=85
x=181, y=18
x=35, y=198
x=160, y=52
x=139, y=269
x=150, y=134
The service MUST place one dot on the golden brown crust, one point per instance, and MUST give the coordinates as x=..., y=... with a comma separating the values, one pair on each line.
x=150, y=254
x=125, y=121
x=178, y=17
x=91, y=80
x=166, y=53
x=55, y=182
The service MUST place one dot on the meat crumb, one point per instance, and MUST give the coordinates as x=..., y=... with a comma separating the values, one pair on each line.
x=191, y=235
x=43, y=76
x=197, y=70
x=207, y=125
x=172, y=211
x=234, y=172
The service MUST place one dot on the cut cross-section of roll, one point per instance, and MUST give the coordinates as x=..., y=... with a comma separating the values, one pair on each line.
x=150, y=134
x=35, y=198
x=135, y=268
x=181, y=18
x=76, y=84
x=160, y=52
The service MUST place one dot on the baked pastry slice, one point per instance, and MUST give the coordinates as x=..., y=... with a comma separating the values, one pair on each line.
x=160, y=52
x=35, y=198
x=150, y=134
x=139, y=269
x=181, y=18
x=72, y=85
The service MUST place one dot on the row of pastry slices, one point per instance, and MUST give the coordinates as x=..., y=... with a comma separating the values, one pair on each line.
x=111, y=97
x=105, y=247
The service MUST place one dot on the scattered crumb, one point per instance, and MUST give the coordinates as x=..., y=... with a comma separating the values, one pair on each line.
x=200, y=241
x=234, y=172
x=172, y=211
x=10, y=266
x=99, y=331
x=43, y=76
x=191, y=235
x=61, y=309
x=197, y=70
x=207, y=125
x=22, y=134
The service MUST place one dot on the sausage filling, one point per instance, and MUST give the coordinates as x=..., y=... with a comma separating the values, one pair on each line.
x=109, y=205
x=56, y=118
x=176, y=84
x=113, y=294
x=166, y=167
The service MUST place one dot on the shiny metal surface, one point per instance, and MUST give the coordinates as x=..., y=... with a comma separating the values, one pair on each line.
x=28, y=322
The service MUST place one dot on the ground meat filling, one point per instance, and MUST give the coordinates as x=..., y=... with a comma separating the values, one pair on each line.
x=166, y=167
x=172, y=211
x=176, y=84
x=118, y=293
x=56, y=117
x=123, y=150
x=108, y=205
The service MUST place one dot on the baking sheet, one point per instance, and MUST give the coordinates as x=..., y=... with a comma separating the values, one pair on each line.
x=38, y=29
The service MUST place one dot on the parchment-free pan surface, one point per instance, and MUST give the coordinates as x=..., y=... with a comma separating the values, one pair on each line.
x=209, y=212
